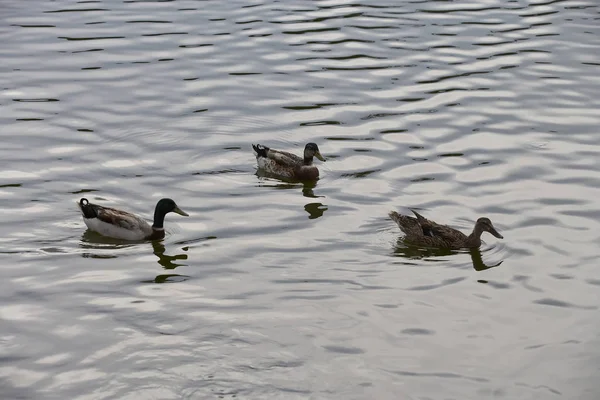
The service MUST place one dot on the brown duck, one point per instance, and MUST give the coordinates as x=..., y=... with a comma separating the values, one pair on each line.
x=289, y=165
x=424, y=232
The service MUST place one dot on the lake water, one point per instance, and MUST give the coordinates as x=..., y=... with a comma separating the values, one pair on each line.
x=277, y=290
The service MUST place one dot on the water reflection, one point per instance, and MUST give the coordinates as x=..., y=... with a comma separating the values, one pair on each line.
x=307, y=189
x=286, y=183
x=478, y=263
x=169, y=261
x=168, y=278
x=91, y=240
x=315, y=210
x=398, y=91
x=165, y=260
x=402, y=249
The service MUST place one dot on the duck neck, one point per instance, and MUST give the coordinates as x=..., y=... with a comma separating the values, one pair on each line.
x=474, y=239
x=159, y=219
x=157, y=234
x=308, y=160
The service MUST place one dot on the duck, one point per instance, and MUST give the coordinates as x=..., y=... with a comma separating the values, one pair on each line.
x=424, y=232
x=289, y=165
x=120, y=224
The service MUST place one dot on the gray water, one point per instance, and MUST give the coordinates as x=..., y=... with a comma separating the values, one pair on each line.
x=278, y=290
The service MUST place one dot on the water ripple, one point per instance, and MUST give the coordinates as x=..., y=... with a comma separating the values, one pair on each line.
x=286, y=290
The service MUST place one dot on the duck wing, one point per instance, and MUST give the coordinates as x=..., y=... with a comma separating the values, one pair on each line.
x=442, y=233
x=428, y=227
x=281, y=157
x=409, y=225
x=284, y=158
x=120, y=218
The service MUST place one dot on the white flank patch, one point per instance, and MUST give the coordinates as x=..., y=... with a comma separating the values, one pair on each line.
x=113, y=231
x=263, y=162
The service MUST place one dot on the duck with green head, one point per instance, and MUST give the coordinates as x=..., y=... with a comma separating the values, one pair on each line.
x=289, y=165
x=424, y=232
x=119, y=224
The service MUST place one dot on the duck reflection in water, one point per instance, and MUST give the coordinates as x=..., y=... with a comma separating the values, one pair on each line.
x=411, y=252
x=315, y=210
x=478, y=263
x=168, y=262
x=280, y=183
x=98, y=246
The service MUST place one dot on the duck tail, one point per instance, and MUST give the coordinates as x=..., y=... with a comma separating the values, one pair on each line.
x=261, y=151
x=87, y=209
x=419, y=216
x=427, y=226
x=405, y=223
x=395, y=217
x=400, y=220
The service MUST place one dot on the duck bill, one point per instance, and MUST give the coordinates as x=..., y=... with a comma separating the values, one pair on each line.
x=319, y=156
x=180, y=212
x=494, y=232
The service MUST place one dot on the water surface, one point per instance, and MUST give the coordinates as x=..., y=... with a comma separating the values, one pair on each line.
x=281, y=290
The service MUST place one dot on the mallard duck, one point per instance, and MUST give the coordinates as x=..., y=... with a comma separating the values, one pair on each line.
x=124, y=225
x=424, y=232
x=289, y=165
